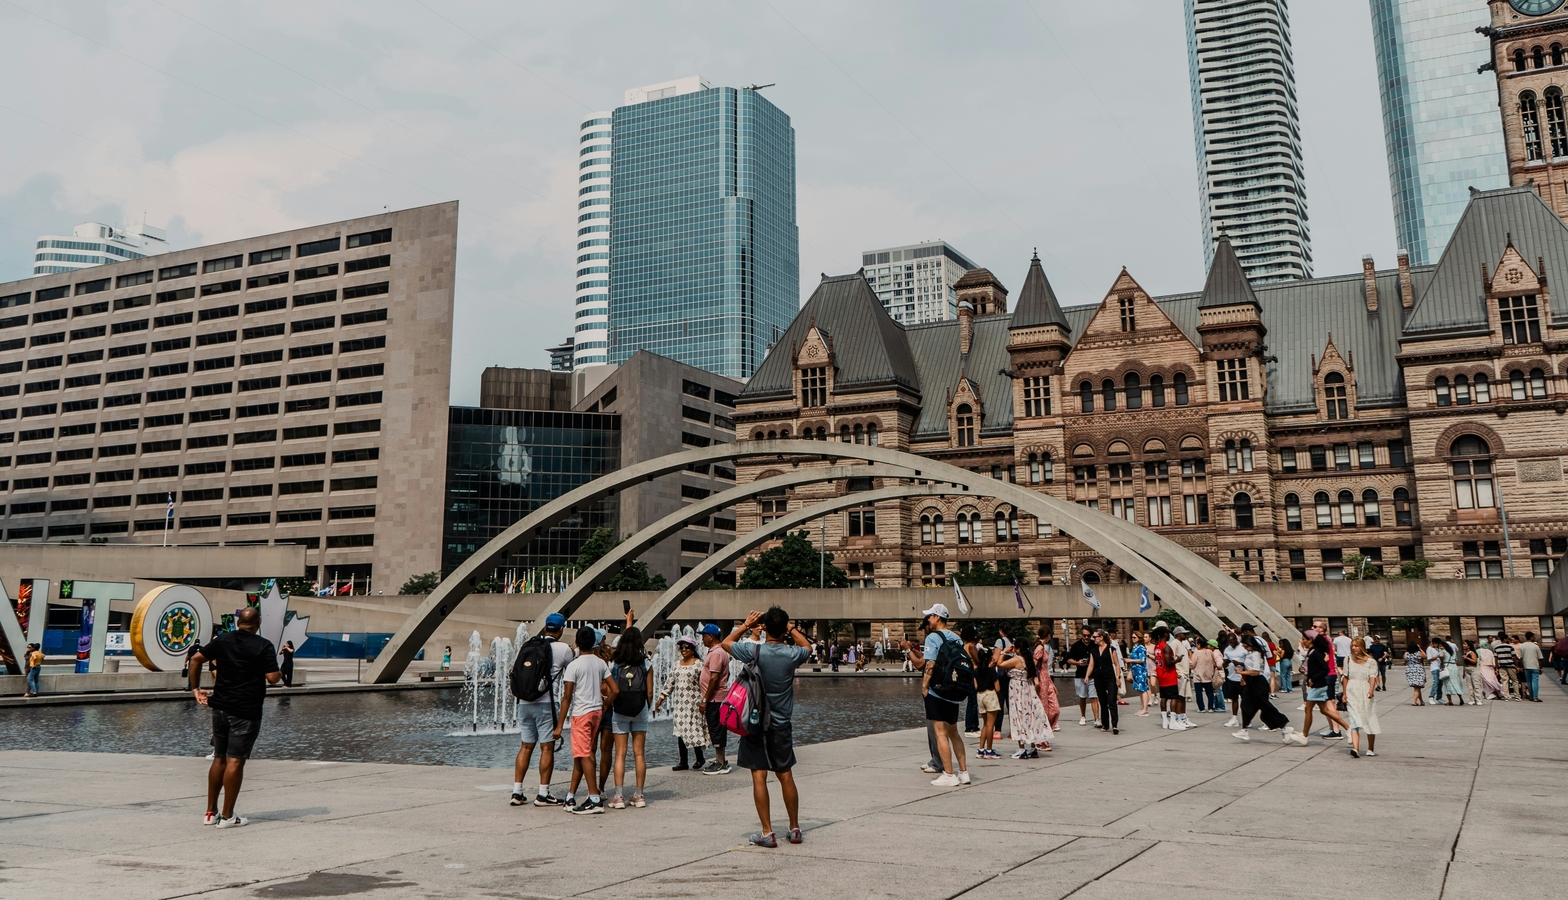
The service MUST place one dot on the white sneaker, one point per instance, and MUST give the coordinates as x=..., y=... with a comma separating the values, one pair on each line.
x=929, y=769
x=232, y=822
x=1165, y=723
x=1242, y=735
x=1187, y=723
x=1232, y=722
x=1287, y=730
x=963, y=778
x=971, y=734
x=1021, y=753
x=946, y=779
x=1297, y=738
x=1082, y=720
x=1301, y=707
x=1371, y=753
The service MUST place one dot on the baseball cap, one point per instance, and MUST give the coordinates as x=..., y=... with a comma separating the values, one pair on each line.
x=1179, y=630
x=689, y=641
x=712, y=630
x=1213, y=643
x=598, y=636
x=1247, y=626
x=555, y=620
x=937, y=609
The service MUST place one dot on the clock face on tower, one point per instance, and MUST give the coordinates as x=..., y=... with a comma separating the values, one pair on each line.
x=1535, y=7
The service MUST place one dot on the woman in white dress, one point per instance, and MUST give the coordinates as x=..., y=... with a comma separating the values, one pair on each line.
x=1025, y=713
x=686, y=705
x=1360, y=705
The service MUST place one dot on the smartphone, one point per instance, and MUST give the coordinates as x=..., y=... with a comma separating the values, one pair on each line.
x=626, y=605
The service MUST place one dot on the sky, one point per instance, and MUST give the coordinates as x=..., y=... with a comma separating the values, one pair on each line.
x=1001, y=128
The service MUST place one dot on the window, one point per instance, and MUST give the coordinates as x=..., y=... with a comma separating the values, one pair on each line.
x=1086, y=486
x=1371, y=512
x=1325, y=511
x=330, y=245
x=1230, y=457
x=1195, y=491
x=369, y=238
x=1537, y=384
x=1342, y=457
x=964, y=417
x=1556, y=130
x=872, y=437
x=365, y=290
x=1287, y=459
x=1108, y=395
x=1520, y=318
x=1085, y=397
x=1157, y=391
x=814, y=387
x=1181, y=389
x=368, y=263
x=1006, y=525
x=1483, y=388
x=1530, y=119
x=1461, y=391
x=862, y=522
x=1122, y=500
x=1516, y=388
x=1037, y=396
x=1233, y=379
x=309, y=272
x=963, y=527
x=933, y=574
x=1133, y=387
x=927, y=535
x=1402, y=514
x=1334, y=402
x=1126, y=306
x=1472, y=473
x=1445, y=396
x=1482, y=559
x=1396, y=453
x=1292, y=512
x=1347, y=509
x=267, y=256
x=1157, y=494
x=1034, y=469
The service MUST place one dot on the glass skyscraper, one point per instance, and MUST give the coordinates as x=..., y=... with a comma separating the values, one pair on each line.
x=704, y=248
x=1440, y=119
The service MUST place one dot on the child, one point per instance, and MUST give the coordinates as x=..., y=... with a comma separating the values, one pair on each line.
x=986, y=700
x=587, y=679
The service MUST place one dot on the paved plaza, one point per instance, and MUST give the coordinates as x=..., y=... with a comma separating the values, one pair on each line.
x=1459, y=803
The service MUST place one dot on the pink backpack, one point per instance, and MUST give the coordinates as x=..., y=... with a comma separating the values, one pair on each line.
x=744, y=709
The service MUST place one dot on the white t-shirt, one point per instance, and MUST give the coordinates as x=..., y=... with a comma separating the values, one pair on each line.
x=1234, y=657
x=561, y=657
x=1253, y=661
x=1342, y=646
x=1434, y=657
x=586, y=673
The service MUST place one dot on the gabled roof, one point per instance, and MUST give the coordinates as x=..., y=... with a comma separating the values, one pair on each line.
x=1227, y=284
x=869, y=348
x=935, y=347
x=1037, y=303
x=1454, y=301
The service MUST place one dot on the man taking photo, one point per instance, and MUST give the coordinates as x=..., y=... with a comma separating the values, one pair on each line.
x=247, y=663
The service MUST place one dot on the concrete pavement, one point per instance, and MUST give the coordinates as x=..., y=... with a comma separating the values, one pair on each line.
x=1459, y=803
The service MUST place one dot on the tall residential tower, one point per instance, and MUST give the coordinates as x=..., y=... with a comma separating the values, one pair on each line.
x=915, y=281
x=1251, y=186
x=592, y=307
x=704, y=249
x=96, y=244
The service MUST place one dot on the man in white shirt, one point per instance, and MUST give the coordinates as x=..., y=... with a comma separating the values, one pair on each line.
x=1341, y=649
x=588, y=683
x=1183, y=653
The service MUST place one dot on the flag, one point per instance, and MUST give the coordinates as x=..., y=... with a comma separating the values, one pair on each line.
x=170, y=513
x=958, y=595
x=1088, y=595
x=1018, y=595
x=1143, y=600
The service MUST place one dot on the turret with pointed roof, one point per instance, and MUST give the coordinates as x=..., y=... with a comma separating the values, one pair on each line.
x=1227, y=283
x=1037, y=303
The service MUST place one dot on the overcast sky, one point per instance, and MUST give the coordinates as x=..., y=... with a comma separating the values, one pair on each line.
x=999, y=127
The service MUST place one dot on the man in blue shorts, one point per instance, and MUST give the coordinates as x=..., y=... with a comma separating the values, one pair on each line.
x=536, y=721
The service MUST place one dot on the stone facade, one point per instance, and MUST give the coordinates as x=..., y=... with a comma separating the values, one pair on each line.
x=1530, y=58
x=1277, y=431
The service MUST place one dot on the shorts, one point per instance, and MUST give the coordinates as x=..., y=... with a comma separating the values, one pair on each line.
x=536, y=723
x=937, y=710
x=620, y=724
x=1317, y=695
x=771, y=751
x=717, y=733
x=585, y=727
x=604, y=721
x=988, y=702
x=1082, y=689
x=1170, y=692
x=1232, y=690
x=232, y=736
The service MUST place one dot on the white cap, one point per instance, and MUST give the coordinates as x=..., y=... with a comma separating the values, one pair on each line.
x=937, y=609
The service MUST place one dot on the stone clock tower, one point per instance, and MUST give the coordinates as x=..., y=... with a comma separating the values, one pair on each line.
x=1530, y=57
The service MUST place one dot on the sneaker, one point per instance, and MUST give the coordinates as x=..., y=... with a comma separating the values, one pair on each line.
x=1082, y=720
x=617, y=802
x=235, y=821
x=1243, y=735
x=588, y=808
x=638, y=802
x=1032, y=754
x=1301, y=707
x=1325, y=732
x=1021, y=754
x=1334, y=736
x=711, y=767
x=548, y=800
x=971, y=734
x=721, y=770
x=929, y=769
x=793, y=836
x=682, y=767
x=210, y=819
x=963, y=778
x=1297, y=738
x=518, y=799
x=1232, y=722
x=762, y=840
x=1371, y=752
x=946, y=779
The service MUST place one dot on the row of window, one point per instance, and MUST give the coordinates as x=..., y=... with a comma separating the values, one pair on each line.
x=81, y=529
x=1318, y=456
x=1463, y=390
x=1530, y=120
x=1326, y=507
x=172, y=445
x=344, y=373
x=971, y=527
x=1131, y=391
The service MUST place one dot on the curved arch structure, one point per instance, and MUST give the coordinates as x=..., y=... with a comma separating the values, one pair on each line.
x=1181, y=578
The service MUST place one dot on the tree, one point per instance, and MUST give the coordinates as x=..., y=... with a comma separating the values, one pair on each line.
x=1359, y=568
x=632, y=577
x=1170, y=617
x=301, y=587
x=981, y=574
x=1414, y=569
x=421, y=584
x=793, y=564
x=835, y=627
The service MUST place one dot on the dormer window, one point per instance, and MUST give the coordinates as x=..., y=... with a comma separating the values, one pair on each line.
x=814, y=387
x=964, y=417
x=1520, y=318
x=1126, y=306
x=1335, y=404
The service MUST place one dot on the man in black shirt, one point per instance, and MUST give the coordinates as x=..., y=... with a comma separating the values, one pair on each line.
x=1078, y=657
x=247, y=663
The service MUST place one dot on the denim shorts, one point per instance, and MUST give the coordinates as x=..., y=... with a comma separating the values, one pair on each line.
x=1083, y=689
x=1317, y=695
x=620, y=724
x=535, y=723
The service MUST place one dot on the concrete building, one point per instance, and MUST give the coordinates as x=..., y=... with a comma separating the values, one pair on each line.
x=284, y=389
x=915, y=282
x=1529, y=40
x=1439, y=121
x=590, y=341
x=97, y=244
x=705, y=251
x=1292, y=430
x=1251, y=184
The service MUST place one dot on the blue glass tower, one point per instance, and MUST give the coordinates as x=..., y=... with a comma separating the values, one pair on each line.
x=1440, y=120
x=704, y=249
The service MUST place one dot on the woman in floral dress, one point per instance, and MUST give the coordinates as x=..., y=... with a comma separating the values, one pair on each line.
x=1042, y=664
x=1415, y=671
x=1360, y=707
x=1025, y=713
x=1137, y=657
x=686, y=705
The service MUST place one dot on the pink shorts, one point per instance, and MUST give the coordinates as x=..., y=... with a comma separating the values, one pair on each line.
x=585, y=727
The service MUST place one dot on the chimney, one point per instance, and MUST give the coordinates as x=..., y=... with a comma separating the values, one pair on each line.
x=1407, y=292
x=1369, y=282
x=966, y=327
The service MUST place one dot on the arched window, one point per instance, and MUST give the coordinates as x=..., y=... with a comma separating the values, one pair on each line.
x=1133, y=386
x=758, y=436
x=1557, y=54
x=783, y=434
x=1516, y=389
x=1371, y=512
x=926, y=535
x=1518, y=60
x=1048, y=467
x=1012, y=524
x=1001, y=527
x=1530, y=118
x=1537, y=384
x=1181, y=389
x=1034, y=468
x=976, y=527
x=1472, y=468
x=1538, y=58
x=822, y=434
x=1444, y=395
x=843, y=434
x=1402, y=515
x=1243, y=507
x=860, y=434
x=1246, y=455
x=1325, y=511
x=1461, y=390
x=1085, y=397
x=1483, y=388
x=939, y=529
x=1334, y=401
x=872, y=437
x=1347, y=509
x=963, y=528
x=1556, y=129
x=1230, y=457
x=1292, y=512
x=1108, y=395
x=966, y=425
x=1091, y=578
x=772, y=435
x=1157, y=391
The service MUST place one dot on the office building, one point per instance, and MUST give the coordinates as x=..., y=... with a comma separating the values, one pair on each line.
x=915, y=281
x=590, y=341
x=1440, y=120
x=1251, y=184
x=1529, y=40
x=704, y=249
x=96, y=244
x=284, y=389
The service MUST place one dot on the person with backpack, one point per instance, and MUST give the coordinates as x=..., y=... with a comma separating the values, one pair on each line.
x=587, y=682
x=629, y=711
x=768, y=742
x=949, y=676
x=714, y=685
x=683, y=690
x=536, y=675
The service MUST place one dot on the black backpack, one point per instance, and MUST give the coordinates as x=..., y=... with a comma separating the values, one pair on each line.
x=533, y=674
x=954, y=672
x=633, y=693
